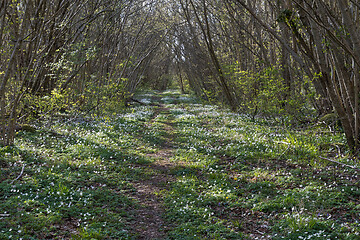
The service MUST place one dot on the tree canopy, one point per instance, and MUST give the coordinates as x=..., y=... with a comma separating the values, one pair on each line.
x=294, y=60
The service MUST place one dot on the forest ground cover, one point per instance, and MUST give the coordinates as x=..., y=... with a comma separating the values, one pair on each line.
x=176, y=168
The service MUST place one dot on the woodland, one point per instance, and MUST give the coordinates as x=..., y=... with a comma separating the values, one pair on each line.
x=179, y=119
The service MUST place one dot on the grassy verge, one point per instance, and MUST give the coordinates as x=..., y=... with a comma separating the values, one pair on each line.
x=238, y=178
x=247, y=179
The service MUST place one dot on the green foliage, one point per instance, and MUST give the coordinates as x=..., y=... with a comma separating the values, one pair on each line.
x=49, y=104
x=266, y=93
x=88, y=234
x=106, y=98
x=101, y=94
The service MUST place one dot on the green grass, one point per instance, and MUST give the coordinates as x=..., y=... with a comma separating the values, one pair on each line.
x=236, y=178
x=76, y=179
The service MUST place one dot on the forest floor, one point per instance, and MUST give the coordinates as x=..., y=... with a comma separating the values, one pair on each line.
x=175, y=168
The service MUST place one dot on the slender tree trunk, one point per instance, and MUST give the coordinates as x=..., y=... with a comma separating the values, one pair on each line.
x=209, y=43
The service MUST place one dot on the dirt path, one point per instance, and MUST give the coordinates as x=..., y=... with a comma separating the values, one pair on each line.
x=150, y=223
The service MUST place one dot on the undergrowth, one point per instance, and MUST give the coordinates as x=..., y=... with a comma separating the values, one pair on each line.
x=240, y=178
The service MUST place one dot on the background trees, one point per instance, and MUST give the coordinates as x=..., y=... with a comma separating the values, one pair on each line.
x=282, y=59
x=322, y=40
x=65, y=55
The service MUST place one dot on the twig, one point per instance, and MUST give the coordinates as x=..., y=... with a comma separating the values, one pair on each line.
x=259, y=232
x=22, y=171
x=282, y=154
x=4, y=215
x=343, y=164
x=137, y=101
